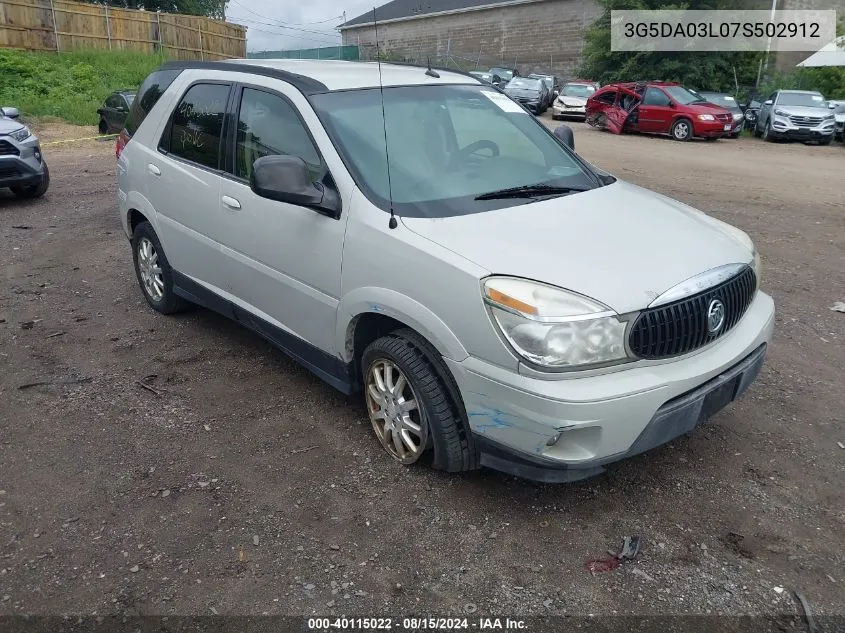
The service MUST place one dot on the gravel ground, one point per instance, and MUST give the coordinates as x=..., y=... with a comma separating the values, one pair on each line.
x=237, y=483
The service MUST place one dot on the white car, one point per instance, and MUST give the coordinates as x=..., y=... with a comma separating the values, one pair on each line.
x=417, y=236
x=571, y=102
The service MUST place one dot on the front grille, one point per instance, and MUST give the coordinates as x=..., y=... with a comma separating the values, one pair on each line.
x=805, y=121
x=7, y=149
x=681, y=327
x=725, y=118
x=9, y=172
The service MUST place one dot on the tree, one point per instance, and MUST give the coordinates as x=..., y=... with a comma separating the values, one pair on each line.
x=699, y=70
x=209, y=8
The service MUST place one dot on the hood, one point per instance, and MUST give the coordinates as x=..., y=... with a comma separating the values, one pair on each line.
x=619, y=244
x=802, y=110
x=573, y=100
x=9, y=125
x=707, y=108
x=522, y=92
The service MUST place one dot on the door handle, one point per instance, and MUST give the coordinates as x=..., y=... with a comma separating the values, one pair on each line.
x=230, y=202
x=155, y=171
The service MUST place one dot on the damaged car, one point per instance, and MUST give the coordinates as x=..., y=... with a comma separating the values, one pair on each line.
x=572, y=100
x=657, y=108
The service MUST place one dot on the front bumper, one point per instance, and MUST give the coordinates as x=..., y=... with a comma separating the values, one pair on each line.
x=783, y=128
x=568, y=429
x=23, y=169
x=713, y=129
x=560, y=109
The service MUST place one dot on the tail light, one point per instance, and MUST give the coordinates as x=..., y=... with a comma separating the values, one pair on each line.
x=122, y=140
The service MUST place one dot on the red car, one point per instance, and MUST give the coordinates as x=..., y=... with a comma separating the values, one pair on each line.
x=657, y=107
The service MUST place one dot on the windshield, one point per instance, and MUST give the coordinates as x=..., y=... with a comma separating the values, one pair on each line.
x=682, y=95
x=801, y=99
x=549, y=81
x=447, y=144
x=840, y=109
x=524, y=83
x=577, y=90
x=726, y=101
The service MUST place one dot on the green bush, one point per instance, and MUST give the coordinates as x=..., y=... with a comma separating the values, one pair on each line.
x=70, y=86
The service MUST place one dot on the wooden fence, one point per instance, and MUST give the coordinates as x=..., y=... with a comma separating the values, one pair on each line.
x=62, y=25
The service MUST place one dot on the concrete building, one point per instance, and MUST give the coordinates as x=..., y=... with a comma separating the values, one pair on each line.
x=533, y=35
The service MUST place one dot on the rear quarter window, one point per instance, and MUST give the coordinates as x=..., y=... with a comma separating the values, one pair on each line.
x=149, y=93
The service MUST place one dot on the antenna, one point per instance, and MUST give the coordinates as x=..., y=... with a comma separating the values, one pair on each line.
x=392, y=223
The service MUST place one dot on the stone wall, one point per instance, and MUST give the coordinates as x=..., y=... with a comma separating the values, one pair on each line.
x=544, y=35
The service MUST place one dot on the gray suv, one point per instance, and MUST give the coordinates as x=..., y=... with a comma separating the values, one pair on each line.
x=796, y=114
x=496, y=299
x=22, y=167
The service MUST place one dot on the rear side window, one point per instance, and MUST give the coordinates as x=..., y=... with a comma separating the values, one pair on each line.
x=197, y=124
x=148, y=95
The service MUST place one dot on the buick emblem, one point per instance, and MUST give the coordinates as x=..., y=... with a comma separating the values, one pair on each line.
x=715, y=316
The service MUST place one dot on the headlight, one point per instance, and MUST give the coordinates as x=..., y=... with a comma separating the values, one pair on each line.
x=749, y=116
x=828, y=117
x=737, y=116
x=781, y=113
x=552, y=327
x=706, y=117
x=21, y=134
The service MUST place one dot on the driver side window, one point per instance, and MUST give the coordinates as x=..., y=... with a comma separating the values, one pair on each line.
x=269, y=126
x=656, y=97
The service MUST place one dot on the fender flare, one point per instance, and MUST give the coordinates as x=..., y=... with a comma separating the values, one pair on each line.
x=400, y=307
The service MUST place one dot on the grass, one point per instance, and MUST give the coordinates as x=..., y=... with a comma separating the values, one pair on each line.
x=69, y=86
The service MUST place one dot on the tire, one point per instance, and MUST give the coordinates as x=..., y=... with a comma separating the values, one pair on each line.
x=682, y=130
x=439, y=411
x=767, y=133
x=166, y=302
x=34, y=191
x=103, y=127
x=756, y=130
x=736, y=136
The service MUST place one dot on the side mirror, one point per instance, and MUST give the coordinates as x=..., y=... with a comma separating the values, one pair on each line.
x=672, y=104
x=565, y=135
x=768, y=102
x=10, y=113
x=832, y=106
x=287, y=179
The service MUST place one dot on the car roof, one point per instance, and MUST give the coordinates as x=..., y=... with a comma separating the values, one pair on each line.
x=802, y=92
x=327, y=75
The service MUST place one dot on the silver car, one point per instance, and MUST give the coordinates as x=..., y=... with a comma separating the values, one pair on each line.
x=22, y=167
x=800, y=115
x=499, y=301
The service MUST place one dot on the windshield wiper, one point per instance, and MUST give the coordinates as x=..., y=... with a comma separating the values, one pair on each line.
x=528, y=191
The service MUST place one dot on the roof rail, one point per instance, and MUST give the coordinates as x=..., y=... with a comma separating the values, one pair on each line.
x=441, y=68
x=306, y=85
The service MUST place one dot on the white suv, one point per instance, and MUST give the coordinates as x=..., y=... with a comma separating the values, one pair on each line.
x=416, y=235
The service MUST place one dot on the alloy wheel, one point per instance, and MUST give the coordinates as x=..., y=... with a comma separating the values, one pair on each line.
x=150, y=269
x=394, y=412
x=682, y=130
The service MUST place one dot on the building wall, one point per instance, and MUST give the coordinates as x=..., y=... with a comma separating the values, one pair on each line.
x=786, y=60
x=547, y=35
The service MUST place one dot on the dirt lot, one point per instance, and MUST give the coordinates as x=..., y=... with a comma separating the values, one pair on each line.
x=241, y=484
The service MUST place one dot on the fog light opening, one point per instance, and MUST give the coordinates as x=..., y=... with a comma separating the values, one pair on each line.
x=553, y=440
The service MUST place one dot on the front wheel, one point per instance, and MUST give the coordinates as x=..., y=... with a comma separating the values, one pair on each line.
x=413, y=403
x=767, y=133
x=103, y=127
x=681, y=130
x=34, y=191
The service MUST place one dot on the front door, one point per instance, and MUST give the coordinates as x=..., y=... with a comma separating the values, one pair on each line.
x=656, y=111
x=284, y=259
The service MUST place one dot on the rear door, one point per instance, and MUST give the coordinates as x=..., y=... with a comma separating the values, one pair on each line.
x=184, y=177
x=284, y=259
x=656, y=111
